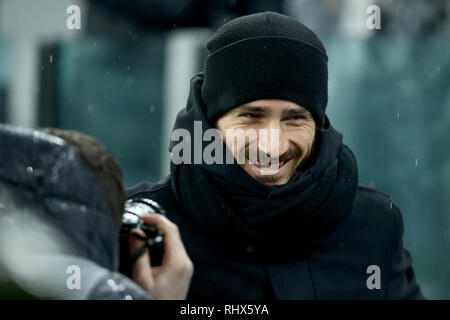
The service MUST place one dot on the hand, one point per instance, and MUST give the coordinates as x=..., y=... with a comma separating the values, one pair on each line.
x=170, y=280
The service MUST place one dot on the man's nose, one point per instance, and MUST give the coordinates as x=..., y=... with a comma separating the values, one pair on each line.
x=272, y=142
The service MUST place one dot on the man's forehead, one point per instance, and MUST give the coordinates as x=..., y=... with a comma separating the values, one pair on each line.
x=268, y=106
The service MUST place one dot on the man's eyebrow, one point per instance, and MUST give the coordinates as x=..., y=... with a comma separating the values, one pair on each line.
x=260, y=109
x=294, y=112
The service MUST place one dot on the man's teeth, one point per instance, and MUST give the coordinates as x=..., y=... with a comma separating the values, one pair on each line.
x=269, y=164
x=264, y=165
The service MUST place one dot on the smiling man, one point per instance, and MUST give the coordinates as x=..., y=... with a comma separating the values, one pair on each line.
x=291, y=222
x=285, y=152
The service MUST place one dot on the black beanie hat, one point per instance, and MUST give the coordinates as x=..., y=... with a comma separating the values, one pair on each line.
x=265, y=55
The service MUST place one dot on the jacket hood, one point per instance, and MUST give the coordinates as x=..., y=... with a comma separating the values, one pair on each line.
x=47, y=174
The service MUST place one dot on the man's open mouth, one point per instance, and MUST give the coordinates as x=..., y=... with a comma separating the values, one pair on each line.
x=270, y=164
x=271, y=167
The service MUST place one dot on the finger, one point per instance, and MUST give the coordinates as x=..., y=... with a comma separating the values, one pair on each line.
x=173, y=245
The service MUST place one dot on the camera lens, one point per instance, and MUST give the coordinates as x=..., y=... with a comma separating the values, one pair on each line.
x=132, y=218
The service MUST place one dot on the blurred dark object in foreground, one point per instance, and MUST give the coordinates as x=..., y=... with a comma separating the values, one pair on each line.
x=54, y=220
x=2, y=104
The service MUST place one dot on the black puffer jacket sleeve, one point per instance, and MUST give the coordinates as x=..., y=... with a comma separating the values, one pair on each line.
x=402, y=280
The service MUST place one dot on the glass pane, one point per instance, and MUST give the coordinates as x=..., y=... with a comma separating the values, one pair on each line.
x=112, y=90
x=393, y=107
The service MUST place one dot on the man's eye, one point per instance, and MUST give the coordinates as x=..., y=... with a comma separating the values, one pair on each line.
x=250, y=115
x=295, y=117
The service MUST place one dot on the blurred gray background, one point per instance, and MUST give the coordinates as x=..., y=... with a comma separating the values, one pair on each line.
x=125, y=74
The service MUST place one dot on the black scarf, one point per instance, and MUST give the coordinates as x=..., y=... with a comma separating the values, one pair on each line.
x=288, y=220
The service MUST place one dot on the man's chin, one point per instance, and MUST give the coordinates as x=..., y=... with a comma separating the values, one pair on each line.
x=270, y=180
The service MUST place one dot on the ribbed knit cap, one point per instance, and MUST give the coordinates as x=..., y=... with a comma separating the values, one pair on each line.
x=265, y=55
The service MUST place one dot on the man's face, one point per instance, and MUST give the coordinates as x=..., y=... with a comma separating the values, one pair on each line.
x=287, y=150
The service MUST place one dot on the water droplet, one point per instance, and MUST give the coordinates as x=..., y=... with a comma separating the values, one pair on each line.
x=152, y=108
x=417, y=162
x=128, y=297
x=390, y=205
x=2, y=206
x=111, y=283
x=30, y=170
x=398, y=115
x=83, y=208
x=64, y=206
x=51, y=58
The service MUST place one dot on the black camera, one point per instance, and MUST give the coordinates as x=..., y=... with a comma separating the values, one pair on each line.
x=154, y=237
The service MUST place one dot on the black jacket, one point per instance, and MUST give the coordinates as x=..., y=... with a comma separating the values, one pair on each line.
x=371, y=235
